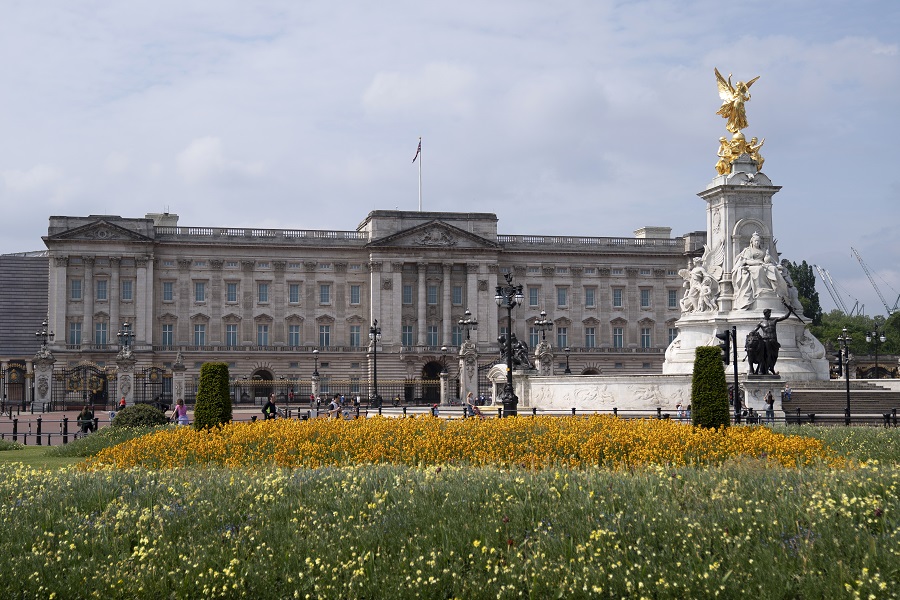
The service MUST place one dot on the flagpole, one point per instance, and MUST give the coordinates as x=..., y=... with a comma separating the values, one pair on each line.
x=420, y=173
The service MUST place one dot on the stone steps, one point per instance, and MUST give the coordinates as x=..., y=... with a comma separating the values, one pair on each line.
x=835, y=401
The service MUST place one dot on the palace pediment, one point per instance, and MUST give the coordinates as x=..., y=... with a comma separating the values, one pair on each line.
x=435, y=235
x=99, y=231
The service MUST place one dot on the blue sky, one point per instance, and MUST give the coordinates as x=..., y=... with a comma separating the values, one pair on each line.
x=572, y=117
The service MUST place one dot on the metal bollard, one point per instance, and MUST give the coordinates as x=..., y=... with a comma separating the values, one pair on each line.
x=573, y=411
x=15, y=437
x=65, y=426
x=379, y=410
x=812, y=418
x=39, y=431
x=534, y=411
x=499, y=412
x=659, y=412
x=615, y=411
x=404, y=410
x=894, y=416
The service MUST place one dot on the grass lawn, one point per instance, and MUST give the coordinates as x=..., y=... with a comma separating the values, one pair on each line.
x=38, y=457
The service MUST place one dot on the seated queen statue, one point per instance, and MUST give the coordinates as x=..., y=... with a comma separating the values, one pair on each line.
x=755, y=274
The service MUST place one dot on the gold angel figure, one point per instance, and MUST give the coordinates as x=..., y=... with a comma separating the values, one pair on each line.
x=733, y=99
x=753, y=150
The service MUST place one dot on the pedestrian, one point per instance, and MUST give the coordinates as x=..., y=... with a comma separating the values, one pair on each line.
x=786, y=393
x=179, y=413
x=122, y=403
x=334, y=409
x=291, y=396
x=270, y=411
x=434, y=410
x=770, y=407
x=679, y=412
x=86, y=420
x=473, y=409
x=687, y=413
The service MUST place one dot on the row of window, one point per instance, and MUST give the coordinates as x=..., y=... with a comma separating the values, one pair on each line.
x=590, y=297
x=617, y=338
x=101, y=289
x=233, y=264
x=262, y=292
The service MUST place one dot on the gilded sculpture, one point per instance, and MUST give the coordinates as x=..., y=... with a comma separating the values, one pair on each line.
x=734, y=96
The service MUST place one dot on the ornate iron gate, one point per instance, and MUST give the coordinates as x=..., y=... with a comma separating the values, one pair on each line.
x=84, y=384
x=153, y=385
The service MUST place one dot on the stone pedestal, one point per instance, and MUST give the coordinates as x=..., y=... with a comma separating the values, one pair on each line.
x=543, y=358
x=125, y=362
x=468, y=369
x=178, y=369
x=43, y=380
x=445, y=389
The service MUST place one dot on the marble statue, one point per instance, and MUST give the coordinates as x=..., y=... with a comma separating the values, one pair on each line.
x=733, y=99
x=701, y=281
x=755, y=273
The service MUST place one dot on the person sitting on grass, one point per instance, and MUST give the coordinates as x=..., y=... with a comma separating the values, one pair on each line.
x=86, y=420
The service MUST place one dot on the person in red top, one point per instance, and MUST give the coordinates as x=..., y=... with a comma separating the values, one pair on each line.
x=122, y=403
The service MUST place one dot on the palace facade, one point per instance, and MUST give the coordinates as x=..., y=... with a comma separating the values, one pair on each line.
x=282, y=303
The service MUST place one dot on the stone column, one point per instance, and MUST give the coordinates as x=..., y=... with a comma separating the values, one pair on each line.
x=58, y=298
x=42, y=363
x=445, y=389
x=468, y=369
x=143, y=301
x=87, y=298
x=472, y=296
x=446, y=321
x=422, y=270
x=115, y=297
x=216, y=301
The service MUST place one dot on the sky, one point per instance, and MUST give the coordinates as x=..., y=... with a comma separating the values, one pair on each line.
x=576, y=117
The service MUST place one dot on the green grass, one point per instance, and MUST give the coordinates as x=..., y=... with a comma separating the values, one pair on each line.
x=742, y=530
x=38, y=457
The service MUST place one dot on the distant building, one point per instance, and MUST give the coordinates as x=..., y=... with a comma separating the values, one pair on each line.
x=262, y=300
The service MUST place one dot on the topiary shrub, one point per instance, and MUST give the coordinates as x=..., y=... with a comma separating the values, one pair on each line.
x=709, y=391
x=213, y=405
x=139, y=415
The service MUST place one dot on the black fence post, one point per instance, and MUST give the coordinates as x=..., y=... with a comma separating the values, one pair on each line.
x=615, y=411
x=39, y=431
x=812, y=418
x=404, y=410
x=15, y=430
x=573, y=411
x=894, y=416
x=96, y=423
x=65, y=426
x=659, y=412
x=379, y=410
x=534, y=411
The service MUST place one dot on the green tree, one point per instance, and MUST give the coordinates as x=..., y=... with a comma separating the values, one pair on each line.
x=139, y=415
x=709, y=391
x=805, y=282
x=213, y=406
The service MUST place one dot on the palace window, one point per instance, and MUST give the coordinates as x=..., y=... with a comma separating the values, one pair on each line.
x=231, y=290
x=75, y=289
x=645, y=337
x=457, y=295
x=263, y=296
x=562, y=296
x=168, y=291
x=231, y=335
x=324, y=335
x=645, y=298
x=102, y=286
x=562, y=336
x=533, y=336
x=293, y=335
x=167, y=334
x=354, y=335
x=432, y=294
x=101, y=333
x=433, y=337
x=199, y=334
x=199, y=291
x=590, y=297
x=617, y=298
x=618, y=337
x=74, y=333
x=294, y=293
x=672, y=296
x=325, y=294
x=407, y=294
x=262, y=335
x=127, y=289
x=406, y=335
x=533, y=296
x=457, y=333
x=590, y=340
x=354, y=294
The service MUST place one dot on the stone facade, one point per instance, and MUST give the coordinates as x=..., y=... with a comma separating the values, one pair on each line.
x=263, y=299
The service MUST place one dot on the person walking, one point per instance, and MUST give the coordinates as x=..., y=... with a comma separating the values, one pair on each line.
x=86, y=420
x=179, y=413
x=122, y=403
x=770, y=408
x=472, y=408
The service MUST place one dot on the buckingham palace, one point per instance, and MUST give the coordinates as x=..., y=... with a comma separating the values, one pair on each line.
x=282, y=304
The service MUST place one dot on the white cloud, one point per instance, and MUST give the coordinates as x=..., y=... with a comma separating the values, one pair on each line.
x=204, y=160
x=438, y=88
x=37, y=179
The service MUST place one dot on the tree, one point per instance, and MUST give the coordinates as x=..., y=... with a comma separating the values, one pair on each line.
x=709, y=391
x=805, y=282
x=213, y=406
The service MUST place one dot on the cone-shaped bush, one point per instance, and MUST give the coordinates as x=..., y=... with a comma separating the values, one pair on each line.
x=213, y=400
x=709, y=391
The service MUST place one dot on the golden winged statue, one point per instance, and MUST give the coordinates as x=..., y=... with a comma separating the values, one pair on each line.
x=733, y=99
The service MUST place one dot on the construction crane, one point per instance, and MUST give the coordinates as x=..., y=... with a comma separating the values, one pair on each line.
x=832, y=287
x=862, y=263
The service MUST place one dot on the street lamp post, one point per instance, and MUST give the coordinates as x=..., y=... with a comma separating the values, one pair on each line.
x=877, y=336
x=468, y=323
x=443, y=359
x=44, y=336
x=568, y=371
x=375, y=337
x=845, y=339
x=125, y=336
x=543, y=325
x=509, y=296
x=316, y=359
